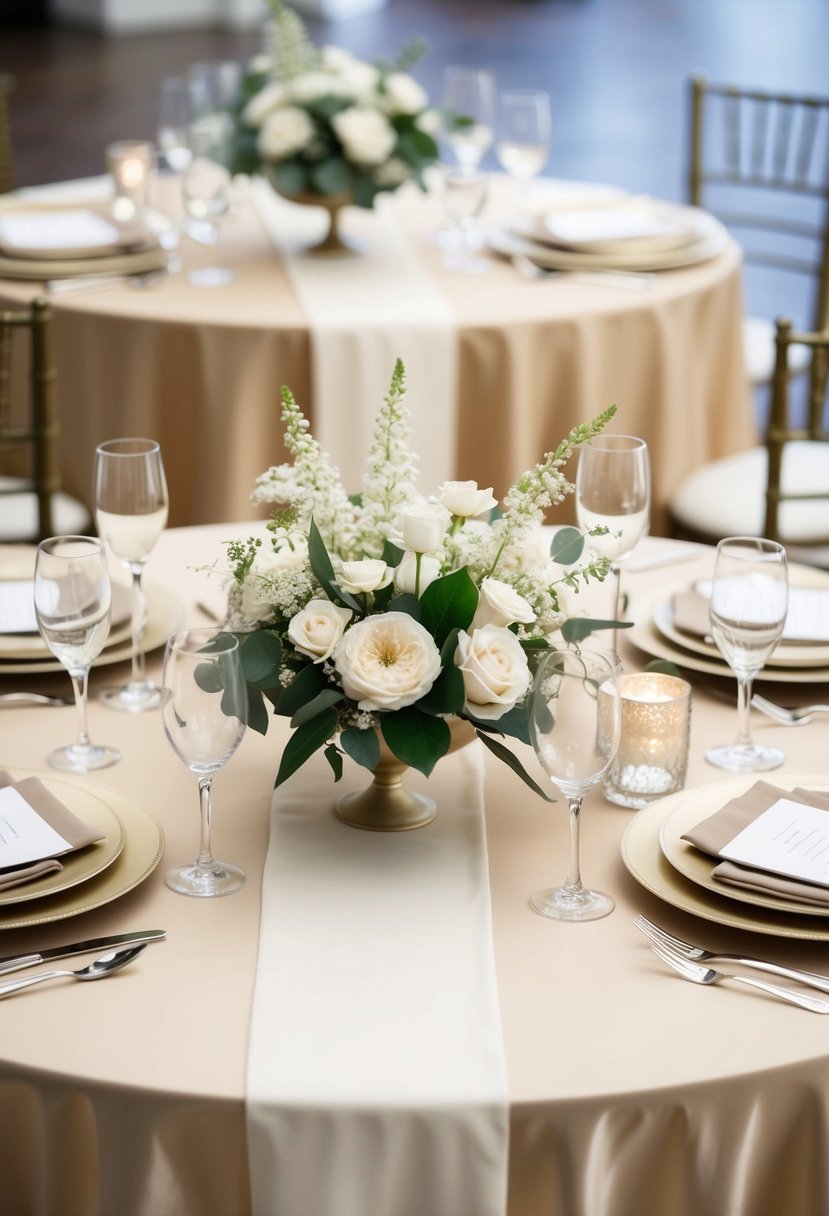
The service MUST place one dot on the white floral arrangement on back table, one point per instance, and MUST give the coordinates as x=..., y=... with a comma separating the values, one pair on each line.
x=323, y=122
x=388, y=614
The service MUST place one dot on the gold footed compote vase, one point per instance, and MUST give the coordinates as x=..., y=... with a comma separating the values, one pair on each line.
x=387, y=806
x=333, y=241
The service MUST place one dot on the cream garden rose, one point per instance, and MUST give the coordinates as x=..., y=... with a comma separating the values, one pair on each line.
x=463, y=498
x=317, y=629
x=495, y=671
x=360, y=577
x=403, y=94
x=500, y=604
x=387, y=661
x=367, y=135
x=285, y=130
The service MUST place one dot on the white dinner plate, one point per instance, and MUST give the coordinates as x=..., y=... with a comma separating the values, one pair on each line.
x=632, y=225
x=647, y=864
x=698, y=804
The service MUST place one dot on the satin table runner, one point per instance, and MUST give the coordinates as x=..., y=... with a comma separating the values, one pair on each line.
x=365, y=310
x=376, y=1081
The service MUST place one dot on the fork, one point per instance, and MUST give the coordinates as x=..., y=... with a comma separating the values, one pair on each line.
x=696, y=954
x=698, y=974
x=789, y=717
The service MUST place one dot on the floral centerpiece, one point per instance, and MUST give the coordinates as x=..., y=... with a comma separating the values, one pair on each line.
x=321, y=123
x=380, y=619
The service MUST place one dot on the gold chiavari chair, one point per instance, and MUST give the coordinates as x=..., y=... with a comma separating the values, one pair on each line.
x=6, y=169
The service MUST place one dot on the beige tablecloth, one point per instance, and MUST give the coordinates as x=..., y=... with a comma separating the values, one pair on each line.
x=630, y=1090
x=200, y=369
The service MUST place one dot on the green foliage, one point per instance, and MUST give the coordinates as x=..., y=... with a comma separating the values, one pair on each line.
x=567, y=546
x=511, y=760
x=306, y=740
x=416, y=738
x=577, y=628
x=448, y=603
x=362, y=746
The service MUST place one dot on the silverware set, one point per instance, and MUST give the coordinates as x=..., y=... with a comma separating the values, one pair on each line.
x=692, y=963
x=120, y=950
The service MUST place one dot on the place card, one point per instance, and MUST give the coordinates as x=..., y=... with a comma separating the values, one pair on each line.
x=24, y=836
x=789, y=838
x=807, y=619
x=17, y=607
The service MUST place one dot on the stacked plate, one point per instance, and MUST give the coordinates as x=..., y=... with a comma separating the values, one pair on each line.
x=41, y=242
x=608, y=229
x=130, y=850
x=675, y=871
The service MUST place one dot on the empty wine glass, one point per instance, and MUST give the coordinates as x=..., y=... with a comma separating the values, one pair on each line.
x=613, y=493
x=204, y=710
x=464, y=196
x=749, y=602
x=575, y=724
x=469, y=104
x=206, y=192
x=131, y=512
x=524, y=133
x=214, y=85
x=72, y=605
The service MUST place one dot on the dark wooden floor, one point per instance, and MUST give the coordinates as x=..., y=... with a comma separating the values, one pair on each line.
x=616, y=71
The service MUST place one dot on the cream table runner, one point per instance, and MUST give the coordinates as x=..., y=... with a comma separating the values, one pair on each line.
x=365, y=310
x=375, y=1079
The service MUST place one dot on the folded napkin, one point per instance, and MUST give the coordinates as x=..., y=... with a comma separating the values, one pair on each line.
x=627, y=225
x=807, y=620
x=68, y=233
x=74, y=833
x=713, y=834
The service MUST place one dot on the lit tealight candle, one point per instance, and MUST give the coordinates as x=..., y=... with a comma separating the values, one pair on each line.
x=653, y=750
x=130, y=164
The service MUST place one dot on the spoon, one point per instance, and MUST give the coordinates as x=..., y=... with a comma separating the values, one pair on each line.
x=102, y=967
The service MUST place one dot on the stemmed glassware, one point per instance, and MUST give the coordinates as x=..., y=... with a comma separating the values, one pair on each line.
x=524, y=133
x=613, y=491
x=464, y=197
x=72, y=604
x=131, y=512
x=174, y=118
x=749, y=602
x=206, y=184
x=469, y=105
x=204, y=710
x=575, y=725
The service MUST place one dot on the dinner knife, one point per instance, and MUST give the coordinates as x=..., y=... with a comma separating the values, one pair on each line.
x=17, y=962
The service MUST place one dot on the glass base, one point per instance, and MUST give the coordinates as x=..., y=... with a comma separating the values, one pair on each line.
x=559, y=903
x=134, y=698
x=205, y=882
x=737, y=758
x=77, y=759
x=211, y=276
x=466, y=263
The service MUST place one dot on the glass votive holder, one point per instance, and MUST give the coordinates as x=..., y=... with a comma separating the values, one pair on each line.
x=131, y=166
x=653, y=750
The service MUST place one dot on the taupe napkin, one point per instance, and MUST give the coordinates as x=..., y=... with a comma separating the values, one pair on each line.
x=691, y=612
x=73, y=830
x=714, y=833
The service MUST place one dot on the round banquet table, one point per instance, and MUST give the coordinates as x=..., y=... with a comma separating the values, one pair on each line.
x=200, y=369
x=630, y=1090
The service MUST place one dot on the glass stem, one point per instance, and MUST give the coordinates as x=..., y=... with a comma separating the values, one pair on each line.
x=138, y=615
x=205, y=858
x=617, y=602
x=744, y=711
x=79, y=687
x=572, y=883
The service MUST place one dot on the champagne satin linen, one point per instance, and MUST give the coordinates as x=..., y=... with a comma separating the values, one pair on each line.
x=630, y=1090
x=200, y=370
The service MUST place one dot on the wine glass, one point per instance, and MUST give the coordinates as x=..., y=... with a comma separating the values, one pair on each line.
x=613, y=492
x=464, y=196
x=174, y=117
x=131, y=512
x=468, y=104
x=749, y=601
x=72, y=605
x=575, y=725
x=204, y=710
x=213, y=85
x=206, y=192
x=524, y=133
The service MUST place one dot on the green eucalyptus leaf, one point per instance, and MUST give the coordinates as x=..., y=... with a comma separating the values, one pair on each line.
x=665, y=667
x=577, y=628
x=328, y=696
x=208, y=677
x=307, y=684
x=567, y=546
x=331, y=176
x=334, y=758
x=257, y=712
x=446, y=696
x=261, y=656
x=407, y=603
x=289, y=177
x=509, y=758
x=417, y=739
x=448, y=603
x=362, y=746
x=304, y=742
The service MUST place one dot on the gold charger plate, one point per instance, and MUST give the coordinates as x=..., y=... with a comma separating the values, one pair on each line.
x=140, y=262
x=143, y=847
x=646, y=863
x=84, y=801
x=698, y=804
x=164, y=615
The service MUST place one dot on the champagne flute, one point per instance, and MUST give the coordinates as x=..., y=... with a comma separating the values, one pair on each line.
x=206, y=193
x=575, y=725
x=524, y=133
x=613, y=492
x=72, y=605
x=749, y=601
x=204, y=711
x=468, y=104
x=174, y=117
x=131, y=512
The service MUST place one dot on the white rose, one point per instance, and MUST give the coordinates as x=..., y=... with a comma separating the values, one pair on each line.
x=284, y=132
x=405, y=575
x=359, y=81
x=403, y=94
x=256, y=603
x=262, y=62
x=262, y=103
x=494, y=669
x=430, y=122
x=500, y=604
x=393, y=173
x=366, y=135
x=336, y=58
x=465, y=499
x=387, y=661
x=424, y=526
x=317, y=628
x=368, y=575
